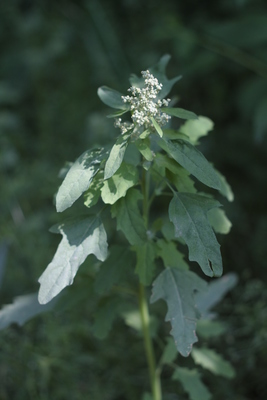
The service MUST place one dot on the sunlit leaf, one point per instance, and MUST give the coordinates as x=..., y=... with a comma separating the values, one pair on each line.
x=156, y=126
x=116, y=187
x=219, y=221
x=22, y=309
x=81, y=237
x=79, y=178
x=197, y=128
x=116, y=156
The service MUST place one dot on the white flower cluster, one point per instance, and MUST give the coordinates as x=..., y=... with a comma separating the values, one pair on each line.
x=143, y=105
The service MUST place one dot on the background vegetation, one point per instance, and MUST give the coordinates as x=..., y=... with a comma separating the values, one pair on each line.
x=54, y=56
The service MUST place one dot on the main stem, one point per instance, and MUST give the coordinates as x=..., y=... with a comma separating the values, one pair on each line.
x=154, y=374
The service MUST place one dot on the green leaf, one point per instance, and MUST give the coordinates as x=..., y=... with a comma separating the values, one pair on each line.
x=208, y=328
x=145, y=266
x=144, y=148
x=79, y=178
x=158, y=71
x=192, y=384
x=91, y=196
x=192, y=160
x=22, y=309
x=114, y=268
x=177, y=288
x=105, y=316
x=156, y=126
x=117, y=113
x=219, y=221
x=225, y=190
x=169, y=353
x=112, y=98
x=216, y=291
x=188, y=213
x=81, y=237
x=129, y=219
x=179, y=113
x=116, y=156
x=116, y=187
x=213, y=361
x=170, y=255
x=197, y=128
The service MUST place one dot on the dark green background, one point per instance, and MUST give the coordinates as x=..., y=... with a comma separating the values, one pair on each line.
x=54, y=56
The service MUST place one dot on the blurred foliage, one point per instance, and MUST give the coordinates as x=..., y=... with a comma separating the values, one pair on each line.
x=54, y=56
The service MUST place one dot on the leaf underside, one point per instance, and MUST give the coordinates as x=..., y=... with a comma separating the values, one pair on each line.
x=81, y=237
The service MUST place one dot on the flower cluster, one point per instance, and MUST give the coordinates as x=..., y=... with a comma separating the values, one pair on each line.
x=144, y=105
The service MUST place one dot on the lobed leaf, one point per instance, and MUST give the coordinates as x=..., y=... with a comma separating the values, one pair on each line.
x=177, y=288
x=219, y=221
x=170, y=255
x=79, y=178
x=188, y=213
x=129, y=219
x=81, y=237
x=192, y=160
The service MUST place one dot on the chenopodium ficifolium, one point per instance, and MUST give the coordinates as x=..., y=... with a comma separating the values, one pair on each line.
x=149, y=164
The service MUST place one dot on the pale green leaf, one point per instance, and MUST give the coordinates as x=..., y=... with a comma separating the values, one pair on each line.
x=225, y=190
x=197, y=128
x=144, y=148
x=116, y=187
x=145, y=265
x=192, y=384
x=22, y=309
x=170, y=255
x=114, y=268
x=79, y=178
x=156, y=126
x=188, y=213
x=81, y=237
x=129, y=219
x=219, y=221
x=179, y=113
x=213, y=361
x=158, y=71
x=217, y=289
x=112, y=98
x=192, y=160
x=116, y=156
x=91, y=196
x=177, y=288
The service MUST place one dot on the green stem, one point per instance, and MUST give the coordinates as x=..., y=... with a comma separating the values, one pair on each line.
x=153, y=372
